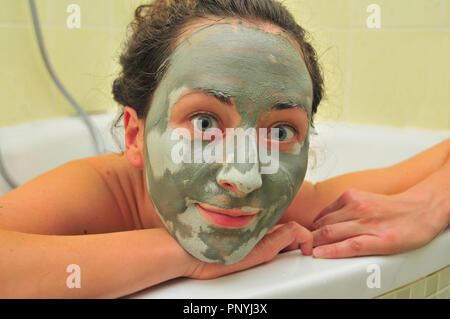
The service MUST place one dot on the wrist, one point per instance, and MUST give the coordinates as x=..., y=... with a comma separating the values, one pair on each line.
x=434, y=202
x=441, y=215
x=179, y=261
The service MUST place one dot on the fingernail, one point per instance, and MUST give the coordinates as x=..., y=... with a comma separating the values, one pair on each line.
x=318, y=252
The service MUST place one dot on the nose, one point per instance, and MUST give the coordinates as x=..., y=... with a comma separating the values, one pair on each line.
x=240, y=178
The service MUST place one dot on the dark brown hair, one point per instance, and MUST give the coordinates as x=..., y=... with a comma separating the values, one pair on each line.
x=157, y=26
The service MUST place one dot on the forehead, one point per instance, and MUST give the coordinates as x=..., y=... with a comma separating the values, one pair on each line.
x=243, y=61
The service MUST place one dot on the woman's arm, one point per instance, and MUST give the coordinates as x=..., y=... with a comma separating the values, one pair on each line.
x=391, y=180
x=407, y=213
x=111, y=265
x=435, y=191
x=313, y=198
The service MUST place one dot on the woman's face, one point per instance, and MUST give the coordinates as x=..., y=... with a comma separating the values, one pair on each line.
x=225, y=76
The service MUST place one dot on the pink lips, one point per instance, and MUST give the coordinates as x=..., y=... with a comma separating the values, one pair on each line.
x=233, y=217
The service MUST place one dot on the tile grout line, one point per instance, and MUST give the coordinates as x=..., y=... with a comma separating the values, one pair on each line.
x=425, y=278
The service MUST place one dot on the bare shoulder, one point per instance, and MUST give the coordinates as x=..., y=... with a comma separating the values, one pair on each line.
x=82, y=196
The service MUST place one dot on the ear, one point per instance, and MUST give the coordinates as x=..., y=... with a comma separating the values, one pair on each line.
x=134, y=137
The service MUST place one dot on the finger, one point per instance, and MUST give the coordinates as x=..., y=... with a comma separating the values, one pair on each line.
x=270, y=245
x=337, y=232
x=293, y=246
x=363, y=245
x=334, y=206
x=303, y=238
x=306, y=240
x=275, y=228
x=338, y=216
x=289, y=236
x=281, y=236
x=284, y=235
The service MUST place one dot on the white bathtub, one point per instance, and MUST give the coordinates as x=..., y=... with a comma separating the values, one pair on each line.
x=31, y=149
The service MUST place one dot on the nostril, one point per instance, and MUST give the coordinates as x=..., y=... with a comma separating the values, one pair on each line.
x=230, y=186
x=226, y=185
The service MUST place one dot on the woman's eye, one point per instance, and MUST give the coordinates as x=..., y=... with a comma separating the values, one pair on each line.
x=204, y=122
x=282, y=133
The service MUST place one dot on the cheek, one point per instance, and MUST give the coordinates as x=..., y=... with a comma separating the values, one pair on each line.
x=294, y=167
x=169, y=169
x=159, y=148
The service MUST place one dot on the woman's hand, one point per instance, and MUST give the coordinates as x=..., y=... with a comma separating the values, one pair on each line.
x=360, y=223
x=281, y=237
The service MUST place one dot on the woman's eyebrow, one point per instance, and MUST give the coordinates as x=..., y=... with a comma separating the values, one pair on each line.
x=226, y=98
x=285, y=106
x=223, y=97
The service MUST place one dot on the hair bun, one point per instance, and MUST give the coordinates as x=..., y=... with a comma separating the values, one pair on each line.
x=118, y=91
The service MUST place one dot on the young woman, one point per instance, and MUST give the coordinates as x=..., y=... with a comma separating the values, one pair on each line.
x=134, y=219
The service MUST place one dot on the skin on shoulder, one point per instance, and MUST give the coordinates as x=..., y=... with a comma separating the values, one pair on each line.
x=83, y=196
x=127, y=184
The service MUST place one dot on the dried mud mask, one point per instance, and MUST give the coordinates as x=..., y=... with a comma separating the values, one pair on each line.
x=256, y=72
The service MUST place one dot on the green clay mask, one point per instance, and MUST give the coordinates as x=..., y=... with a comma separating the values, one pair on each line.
x=227, y=76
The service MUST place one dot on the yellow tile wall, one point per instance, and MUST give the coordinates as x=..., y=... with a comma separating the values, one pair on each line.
x=433, y=286
x=397, y=75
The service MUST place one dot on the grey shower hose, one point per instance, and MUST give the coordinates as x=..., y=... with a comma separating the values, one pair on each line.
x=12, y=182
